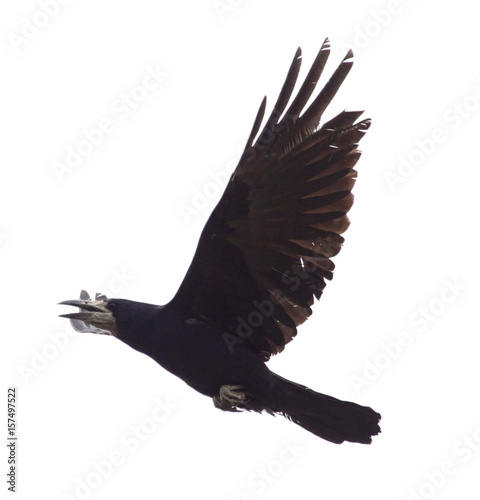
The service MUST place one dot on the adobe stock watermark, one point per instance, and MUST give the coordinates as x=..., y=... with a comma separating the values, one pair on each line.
x=224, y=8
x=246, y=326
x=129, y=442
x=120, y=108
x=32, y=26
x=42, y=357
x=3, y=238
x=419, y=321
x=380, y=20
x=259, y=481
x=462, y=451
x=204, y=197
x=424, y=148
x=293, y=278
x=211, y=191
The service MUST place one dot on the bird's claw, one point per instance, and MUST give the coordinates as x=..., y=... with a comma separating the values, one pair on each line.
x=230, y=397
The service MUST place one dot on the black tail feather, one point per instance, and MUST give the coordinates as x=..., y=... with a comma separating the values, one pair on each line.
x=327, y=417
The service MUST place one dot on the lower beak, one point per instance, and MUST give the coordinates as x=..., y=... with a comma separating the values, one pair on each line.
x=89, y=317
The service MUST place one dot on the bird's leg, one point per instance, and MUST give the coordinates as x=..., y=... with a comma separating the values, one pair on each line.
x=230, y=397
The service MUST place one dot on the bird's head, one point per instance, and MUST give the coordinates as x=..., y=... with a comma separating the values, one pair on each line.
x=126, y=320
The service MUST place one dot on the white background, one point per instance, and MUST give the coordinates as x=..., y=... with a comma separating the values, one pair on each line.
x=119, y=213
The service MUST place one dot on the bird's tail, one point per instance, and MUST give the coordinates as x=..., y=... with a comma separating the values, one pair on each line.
x=329, y=418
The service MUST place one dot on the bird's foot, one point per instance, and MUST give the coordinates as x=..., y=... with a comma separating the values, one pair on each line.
x=230, y=397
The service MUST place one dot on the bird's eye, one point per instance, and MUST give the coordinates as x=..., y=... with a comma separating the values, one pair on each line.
x=111, y=305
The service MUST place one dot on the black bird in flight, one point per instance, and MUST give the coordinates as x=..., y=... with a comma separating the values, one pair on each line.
x=262, y=258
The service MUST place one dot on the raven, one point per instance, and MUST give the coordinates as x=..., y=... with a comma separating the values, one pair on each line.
x=262, y=258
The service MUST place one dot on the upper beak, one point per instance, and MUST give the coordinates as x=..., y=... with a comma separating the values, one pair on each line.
x=92, y=306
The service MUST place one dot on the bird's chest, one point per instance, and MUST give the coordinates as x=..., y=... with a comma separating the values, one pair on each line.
x=200, y=357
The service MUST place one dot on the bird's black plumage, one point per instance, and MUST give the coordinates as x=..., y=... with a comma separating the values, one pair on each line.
x=262, y=259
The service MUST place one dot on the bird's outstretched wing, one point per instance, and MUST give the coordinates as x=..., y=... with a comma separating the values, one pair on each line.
x=265, y=251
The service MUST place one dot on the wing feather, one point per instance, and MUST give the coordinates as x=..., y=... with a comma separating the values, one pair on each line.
x=265, y=252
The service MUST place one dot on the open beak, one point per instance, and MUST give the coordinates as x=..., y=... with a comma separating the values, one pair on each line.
x=94, y=316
